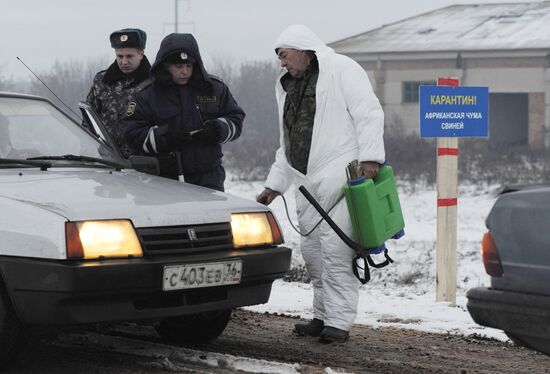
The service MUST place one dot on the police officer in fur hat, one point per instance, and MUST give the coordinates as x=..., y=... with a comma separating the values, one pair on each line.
x=183, y=115
x=112, y=88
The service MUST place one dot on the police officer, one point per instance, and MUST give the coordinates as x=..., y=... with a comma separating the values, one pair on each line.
x=183, y=115
x=112, y=88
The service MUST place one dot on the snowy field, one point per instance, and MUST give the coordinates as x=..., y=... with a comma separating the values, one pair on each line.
x=403, y=294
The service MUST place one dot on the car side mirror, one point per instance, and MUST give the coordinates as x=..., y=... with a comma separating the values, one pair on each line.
x=145, y=164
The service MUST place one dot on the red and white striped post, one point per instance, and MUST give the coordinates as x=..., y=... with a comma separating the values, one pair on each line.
x=447, y=189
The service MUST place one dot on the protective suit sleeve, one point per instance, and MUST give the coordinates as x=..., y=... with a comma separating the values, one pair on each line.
x=140, y=131
x=365, y=110
x=279, y=178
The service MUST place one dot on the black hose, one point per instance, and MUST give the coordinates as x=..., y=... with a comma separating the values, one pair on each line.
x=361, y=252
x=346, y=239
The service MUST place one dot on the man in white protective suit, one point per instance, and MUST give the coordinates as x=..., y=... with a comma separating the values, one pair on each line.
x=328, y=117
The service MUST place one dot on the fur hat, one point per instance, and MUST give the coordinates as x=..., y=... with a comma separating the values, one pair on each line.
x=128, y=38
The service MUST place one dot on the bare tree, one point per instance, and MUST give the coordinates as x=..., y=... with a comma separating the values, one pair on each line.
x=253, y=86
x=254, y=89
x=6, y=83
x=69, y=80
x=223, y=67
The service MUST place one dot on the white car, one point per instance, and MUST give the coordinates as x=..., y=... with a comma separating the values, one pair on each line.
x=85, y=238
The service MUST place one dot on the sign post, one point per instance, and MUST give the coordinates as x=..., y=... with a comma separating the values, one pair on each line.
x=447, y=112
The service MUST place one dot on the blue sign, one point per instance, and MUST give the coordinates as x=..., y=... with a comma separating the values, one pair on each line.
x=448, y=112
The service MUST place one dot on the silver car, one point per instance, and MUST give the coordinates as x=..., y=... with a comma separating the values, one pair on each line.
x=85, y=238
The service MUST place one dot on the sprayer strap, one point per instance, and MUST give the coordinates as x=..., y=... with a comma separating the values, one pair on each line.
x=355, y=266
x=367, y=260
x=381, y=264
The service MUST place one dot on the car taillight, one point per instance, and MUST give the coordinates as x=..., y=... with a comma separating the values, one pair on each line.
x=491, y=259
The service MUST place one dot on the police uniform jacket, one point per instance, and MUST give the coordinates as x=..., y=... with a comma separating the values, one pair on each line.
x=161, y=108
x=109, y=95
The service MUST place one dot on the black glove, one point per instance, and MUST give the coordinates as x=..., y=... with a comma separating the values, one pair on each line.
x=176, y=138
x=209, y=132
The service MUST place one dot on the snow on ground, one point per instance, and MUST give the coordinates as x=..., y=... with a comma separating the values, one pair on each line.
x=403, y=294
x=176, y=359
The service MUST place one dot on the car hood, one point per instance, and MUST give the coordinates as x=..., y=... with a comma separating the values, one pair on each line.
x=92, y=194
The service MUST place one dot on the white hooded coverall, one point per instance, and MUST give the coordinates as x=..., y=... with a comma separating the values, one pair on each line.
x=348, y=125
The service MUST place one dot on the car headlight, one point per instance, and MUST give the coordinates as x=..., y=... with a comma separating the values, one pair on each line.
x=255, y=229
x=101, y=239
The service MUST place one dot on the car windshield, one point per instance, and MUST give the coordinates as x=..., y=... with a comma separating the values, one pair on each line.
x=31, y=128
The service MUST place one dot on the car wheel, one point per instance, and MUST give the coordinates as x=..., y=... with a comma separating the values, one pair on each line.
x=194, y=328
x=10, y=331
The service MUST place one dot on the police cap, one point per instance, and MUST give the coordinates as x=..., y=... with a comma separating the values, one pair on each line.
x=180, y=57
x=128, y=38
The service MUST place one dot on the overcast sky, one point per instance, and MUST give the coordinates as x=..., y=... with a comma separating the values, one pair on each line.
x=43, y=31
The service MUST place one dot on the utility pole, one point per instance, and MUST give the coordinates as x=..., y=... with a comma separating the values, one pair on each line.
x=176, y=15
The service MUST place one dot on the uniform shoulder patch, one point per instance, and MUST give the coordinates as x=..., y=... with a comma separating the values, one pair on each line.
x=131, y=108
x=215, y=77
x=144, y=84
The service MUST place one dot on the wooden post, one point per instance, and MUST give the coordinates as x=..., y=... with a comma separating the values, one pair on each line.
x=447, y=190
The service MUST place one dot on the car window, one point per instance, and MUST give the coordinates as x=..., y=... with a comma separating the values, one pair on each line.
x=30, y=128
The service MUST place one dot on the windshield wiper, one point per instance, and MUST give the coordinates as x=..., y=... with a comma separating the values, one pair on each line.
x=117, y=165
x=42, y=165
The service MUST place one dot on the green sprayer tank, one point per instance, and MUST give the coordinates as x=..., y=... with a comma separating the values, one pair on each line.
x=374, y=209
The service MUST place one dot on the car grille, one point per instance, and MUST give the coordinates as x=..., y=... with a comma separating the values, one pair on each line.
x=185, y=239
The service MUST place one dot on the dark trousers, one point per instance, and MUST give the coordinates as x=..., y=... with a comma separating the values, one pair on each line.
x=211, y=179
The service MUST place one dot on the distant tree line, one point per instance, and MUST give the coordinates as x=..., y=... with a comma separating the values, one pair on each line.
x=6, y=83
x=249, y=157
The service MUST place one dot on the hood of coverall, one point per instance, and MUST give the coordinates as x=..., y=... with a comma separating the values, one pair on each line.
x=344, y=96
x=174, y=43
x=301, y=38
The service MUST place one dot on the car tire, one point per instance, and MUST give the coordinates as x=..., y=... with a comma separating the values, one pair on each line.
x=10, y=331
x=194, y=328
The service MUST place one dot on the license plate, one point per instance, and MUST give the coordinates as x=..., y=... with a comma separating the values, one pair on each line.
x=211, y=274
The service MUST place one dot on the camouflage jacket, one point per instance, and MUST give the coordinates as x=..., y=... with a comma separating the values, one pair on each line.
x=109, y=97
x=299, y=112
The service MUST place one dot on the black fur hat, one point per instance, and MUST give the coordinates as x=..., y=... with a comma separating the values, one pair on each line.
x=128, y=38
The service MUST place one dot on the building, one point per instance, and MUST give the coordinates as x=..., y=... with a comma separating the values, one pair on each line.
x=503, y=46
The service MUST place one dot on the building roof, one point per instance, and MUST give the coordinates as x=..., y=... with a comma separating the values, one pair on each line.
x=478, y=27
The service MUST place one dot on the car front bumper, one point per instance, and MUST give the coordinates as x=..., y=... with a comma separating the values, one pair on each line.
x=67, y=293
x=513, y=312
